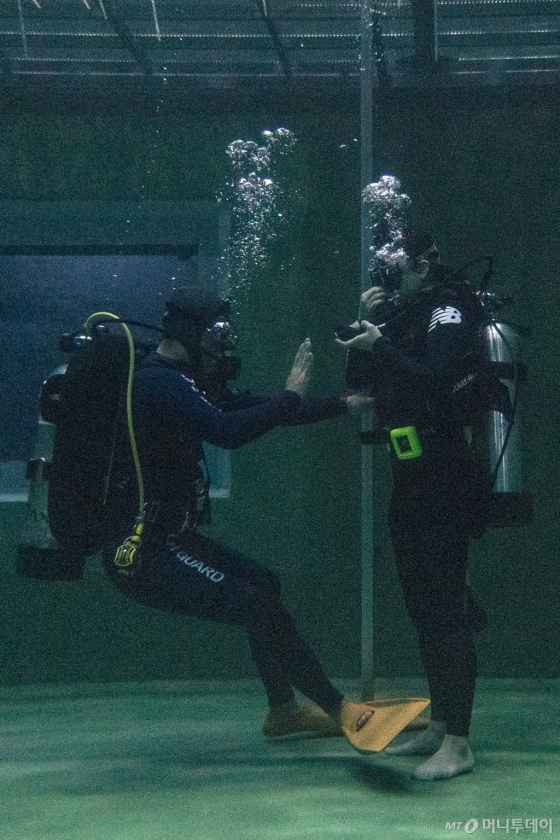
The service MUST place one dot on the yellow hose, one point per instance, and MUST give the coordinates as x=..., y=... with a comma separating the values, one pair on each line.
x=125, y=553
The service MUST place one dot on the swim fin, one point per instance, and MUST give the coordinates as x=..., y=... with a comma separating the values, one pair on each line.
x=390, y=716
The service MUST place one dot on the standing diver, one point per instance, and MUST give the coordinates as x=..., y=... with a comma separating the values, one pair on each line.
x=180, y=398
x=411, y=367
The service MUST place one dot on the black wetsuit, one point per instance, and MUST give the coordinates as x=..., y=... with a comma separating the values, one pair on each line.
x=182, y=570
x=416, y=370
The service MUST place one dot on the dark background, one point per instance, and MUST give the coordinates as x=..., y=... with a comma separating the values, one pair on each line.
x=481, y=168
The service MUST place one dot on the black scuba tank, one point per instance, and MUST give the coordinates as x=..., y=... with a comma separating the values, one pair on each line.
x=86, y=425
x=87, y=407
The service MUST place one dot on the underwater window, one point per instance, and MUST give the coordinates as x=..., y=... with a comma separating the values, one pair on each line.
x=42, y=296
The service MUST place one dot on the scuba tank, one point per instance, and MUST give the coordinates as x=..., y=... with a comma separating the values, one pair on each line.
x=73, y=487
x=509, y=502
x=39, y=555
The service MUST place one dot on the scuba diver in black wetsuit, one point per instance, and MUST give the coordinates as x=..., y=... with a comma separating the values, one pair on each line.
x=168, y=563
x=415, y=366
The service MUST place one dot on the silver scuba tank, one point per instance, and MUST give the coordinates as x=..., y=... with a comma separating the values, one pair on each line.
x=39, y=555
x=510, y=503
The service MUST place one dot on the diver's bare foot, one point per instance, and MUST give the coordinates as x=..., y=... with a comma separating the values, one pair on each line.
x=425, y=742
x=453, y=758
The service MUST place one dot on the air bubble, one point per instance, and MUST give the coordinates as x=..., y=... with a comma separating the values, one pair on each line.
x=387, y=208
x=253, y=196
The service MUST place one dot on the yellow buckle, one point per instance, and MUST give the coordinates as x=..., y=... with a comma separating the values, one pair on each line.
x=406, y=443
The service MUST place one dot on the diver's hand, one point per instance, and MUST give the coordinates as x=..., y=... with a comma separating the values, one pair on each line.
x=364, y=340
x=300, y=374
x=358, y=403
x=371, y=299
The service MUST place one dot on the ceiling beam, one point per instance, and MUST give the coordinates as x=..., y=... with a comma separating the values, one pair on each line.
x=127, y=38
x=275, y=38
x=22, y=29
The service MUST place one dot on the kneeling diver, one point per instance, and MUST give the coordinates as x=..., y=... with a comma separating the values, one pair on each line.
x=180, y=398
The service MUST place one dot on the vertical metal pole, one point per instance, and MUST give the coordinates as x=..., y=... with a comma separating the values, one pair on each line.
x=366, y=150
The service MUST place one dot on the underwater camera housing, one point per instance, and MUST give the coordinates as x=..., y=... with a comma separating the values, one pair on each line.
x=389, y=277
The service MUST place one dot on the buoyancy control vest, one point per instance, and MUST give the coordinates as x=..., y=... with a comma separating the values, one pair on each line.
x=478, y=390
x=470, y=387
